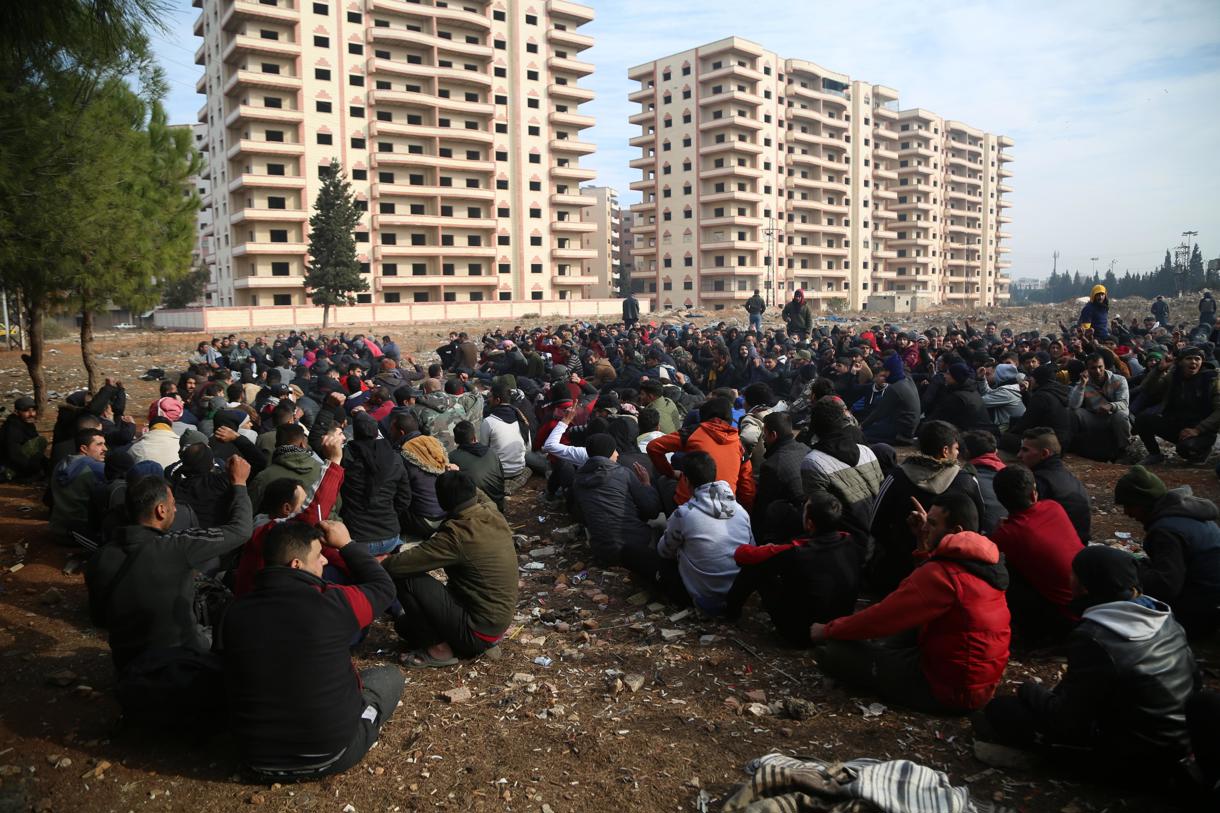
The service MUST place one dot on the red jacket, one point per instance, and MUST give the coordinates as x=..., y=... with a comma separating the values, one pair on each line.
x=956, y=598
x=319, y=509
x=1040, y=543
x=718, y=439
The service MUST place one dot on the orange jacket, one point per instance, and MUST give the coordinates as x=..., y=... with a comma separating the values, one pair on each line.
x=718, y=439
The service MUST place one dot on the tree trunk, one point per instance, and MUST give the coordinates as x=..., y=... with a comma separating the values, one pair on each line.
x=325, y=316
x=33, y=359
x=87, y=354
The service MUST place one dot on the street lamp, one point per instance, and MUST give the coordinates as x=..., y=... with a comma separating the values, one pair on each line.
x=771, y=232
x=1095, y=259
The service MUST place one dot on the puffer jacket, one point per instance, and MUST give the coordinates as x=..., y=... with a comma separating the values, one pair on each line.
x=719, y=440
x=956, y=599
x=855, y=481
x=779, y=480
x=1130, y=672
x=703, y=535
x=962, y=406
x=924, y=479
x=615, y=507
x=1183, y=566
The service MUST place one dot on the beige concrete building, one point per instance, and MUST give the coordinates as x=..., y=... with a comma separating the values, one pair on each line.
x=626, y=243
x=457, y=122
x=776, y=174
x=604, y=220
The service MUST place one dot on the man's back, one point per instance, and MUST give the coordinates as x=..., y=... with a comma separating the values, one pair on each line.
x=1039, y=543
x=294, y=623
x=612, y=500
x=1056, y=483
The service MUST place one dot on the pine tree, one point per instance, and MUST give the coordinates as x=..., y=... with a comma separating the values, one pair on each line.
x=332, y=274
x=1194, y=269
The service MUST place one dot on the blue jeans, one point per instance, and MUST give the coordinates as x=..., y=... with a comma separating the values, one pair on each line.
x=380, y=546
x=756, y=321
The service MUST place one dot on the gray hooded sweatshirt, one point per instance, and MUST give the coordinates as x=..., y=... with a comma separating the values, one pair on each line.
x=702, y=535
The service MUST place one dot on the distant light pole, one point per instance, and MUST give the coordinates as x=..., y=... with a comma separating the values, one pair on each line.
x=772, y=283
x=1095, y=259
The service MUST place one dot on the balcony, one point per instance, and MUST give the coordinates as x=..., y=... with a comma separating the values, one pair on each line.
x=244, y=249
x=573, y=226
x=253, y=215
x=643, y=118
x=573, y=10
x=730, y=96
x=731, y=194
x=446, y=13
x=730, y=244
x=378, y=128
x=243, y=44
x=729, y=295
x=732, y=270
x=644, y=94
x=433, y=221
x=252, y=147
x=571, y=200
x=427, y=100
x=242, y=11
x=408, y=37
x=730, y=121
x=730, y=171
x=715, y=148
x=571, y=173
x=261, y=281
x=574, y=279
x=266, y=182
x=434, y=279
x=406, y=159
x=567, y=65
x=248, y=112
x=568, y=38
x=732, y=70
x=256, y=79
x=881, y=152
x=647, y=162
x=576, y=120
x=411, y=190
x=385, y=66
x=727, y=220
x=568, y=145
x=645, y=140
x=573, y=253
x=884, y=174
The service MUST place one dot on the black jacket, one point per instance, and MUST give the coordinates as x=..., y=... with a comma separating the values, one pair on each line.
x=962, y=406
x=210, y=494
x=1056, y=483
x=296, y=625
x=16, y=434
x=631, y=309
x=615, y=507
x=1047, y=405
x=149, y=604
x=779, y=481
x=484, y=468
x=1183, y=564
x=1129, y=675
x=899, y=405
x=375, y=490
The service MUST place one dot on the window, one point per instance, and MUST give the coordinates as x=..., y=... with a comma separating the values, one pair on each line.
x=276, y=202
x=270, y=67
x=421, y=296
x=279, y=269
x=321, y=8
x=389, y=239
x=531, y=48
x=360, y=174
x=535, y=268
x=273, y=102
x=275, y=169
x=504, y=268
x=353, y=17
x=355, y=48
x=275, y=135
x=356, y=80
x=356, y=112
x=498, y=16
x=419, y=269
x=535, y=294
x=321, y=42
x=279, y=235
x=281, y=299
x=358, y=143
x=325, y=138
x=392, y=297
x=532, y=76
x=322, y=107
x=321, y=73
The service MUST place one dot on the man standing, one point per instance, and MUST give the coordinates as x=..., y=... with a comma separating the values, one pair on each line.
x=631, y=310
x=1160, y=310
x=1207, y=309
x=798, y=316
x=294, y=623
x=142, y=589
x=1101, y=406
x=755, y=307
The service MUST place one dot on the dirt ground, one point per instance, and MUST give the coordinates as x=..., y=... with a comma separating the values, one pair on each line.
x=601, y=701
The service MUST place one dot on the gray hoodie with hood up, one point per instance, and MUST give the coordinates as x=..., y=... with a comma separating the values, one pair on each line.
x=702, y=535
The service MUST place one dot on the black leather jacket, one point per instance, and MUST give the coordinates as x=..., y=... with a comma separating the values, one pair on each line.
x=1130, y=673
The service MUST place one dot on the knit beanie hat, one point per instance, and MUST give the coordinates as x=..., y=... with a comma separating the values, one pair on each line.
x=1139, y=487
x=1044, y=374
x=961, y=372
x=1108, y=574
x=197, y=458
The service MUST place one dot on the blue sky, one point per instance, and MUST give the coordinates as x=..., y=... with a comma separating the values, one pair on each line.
x=1112, y=103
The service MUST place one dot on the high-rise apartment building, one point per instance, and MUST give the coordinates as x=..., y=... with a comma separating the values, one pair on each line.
x=602, y=241
x=626, y=241
x=457, y=123
x=777, y=174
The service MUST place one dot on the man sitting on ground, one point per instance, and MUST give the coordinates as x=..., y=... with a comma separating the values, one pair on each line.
x=478, y=462
x=1182, y=543
x=468, y=615
x=325, y=720
x=815, y=577
x=23, y=452
x=694, y=562
x=1188, y=414
x=1123, y=698
x=1100, y=403
x=73, y=481
x=1039, y=544
x=615, y=502
x=924, y=477
x=951, y=608
x=142, y=590
x=979, y=451
x=715, y=436
x=1040, y=453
